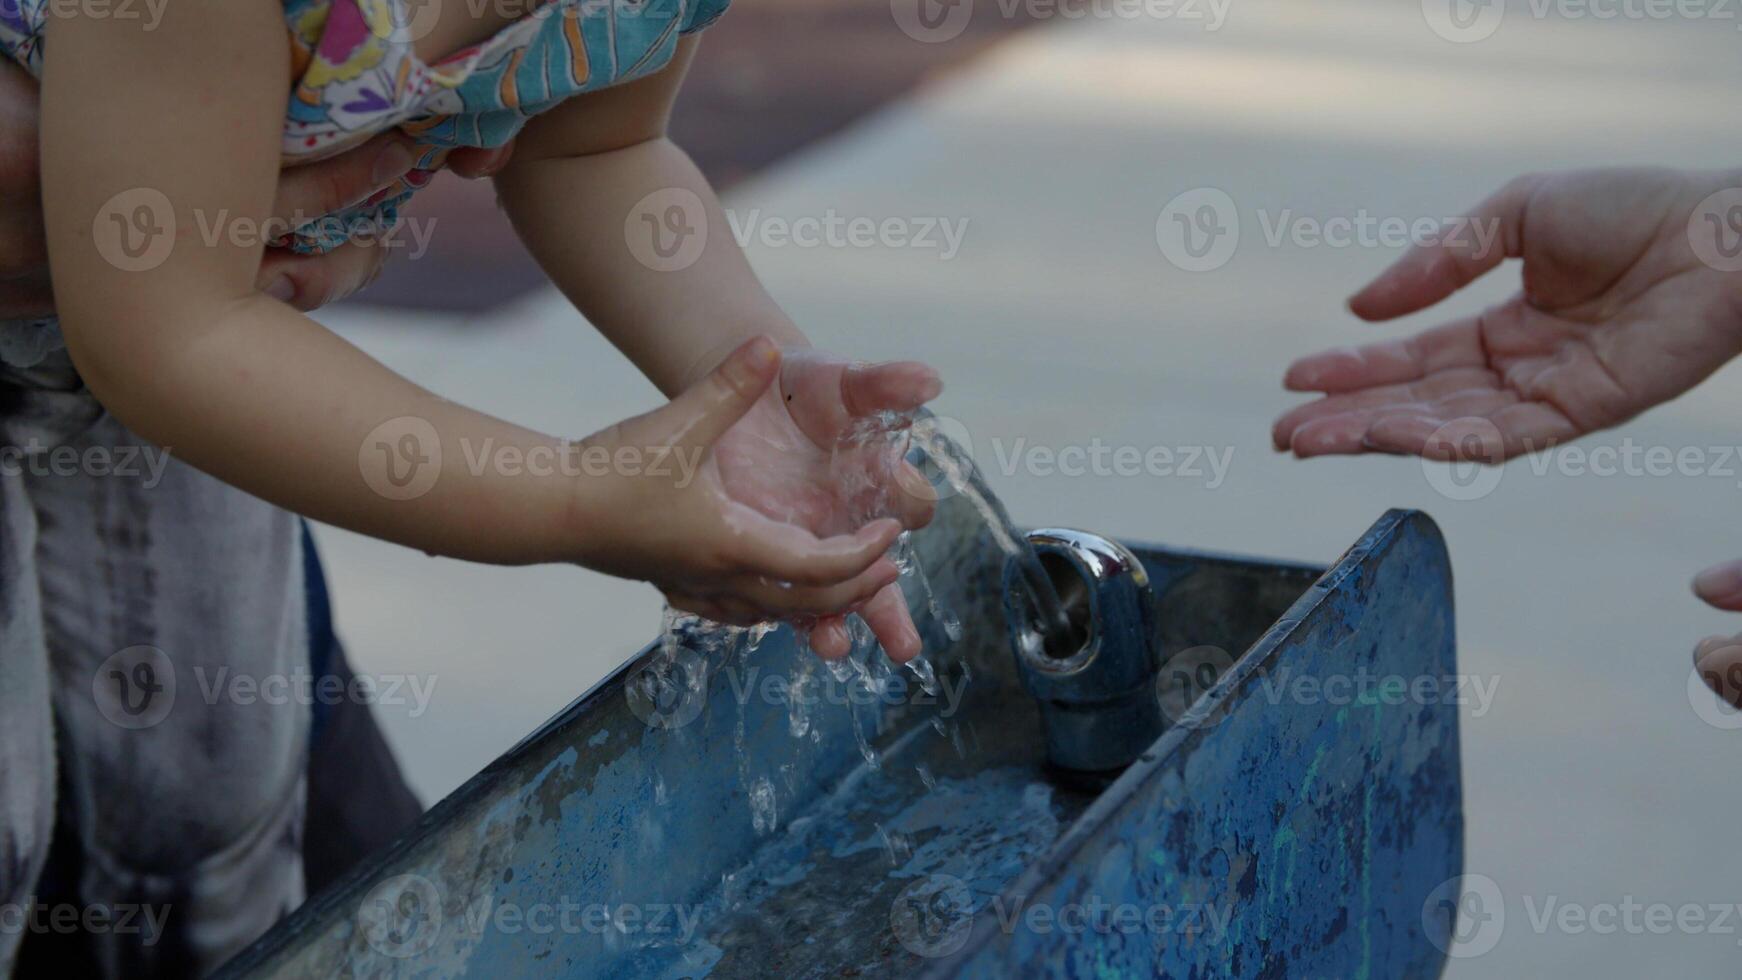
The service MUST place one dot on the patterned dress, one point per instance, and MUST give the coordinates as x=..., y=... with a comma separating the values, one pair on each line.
x=356, y=75
x=124, y=583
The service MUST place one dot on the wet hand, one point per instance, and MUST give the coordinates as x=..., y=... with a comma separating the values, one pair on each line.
x=796, y=458
x=1617, y=313
x=667, y=516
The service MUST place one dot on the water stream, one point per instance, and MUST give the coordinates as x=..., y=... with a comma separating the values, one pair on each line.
x=863, y=469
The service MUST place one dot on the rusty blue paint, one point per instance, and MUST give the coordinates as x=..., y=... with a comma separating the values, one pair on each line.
x=1315, y=829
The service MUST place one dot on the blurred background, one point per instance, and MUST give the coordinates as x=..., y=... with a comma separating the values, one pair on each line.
x=1057, y=141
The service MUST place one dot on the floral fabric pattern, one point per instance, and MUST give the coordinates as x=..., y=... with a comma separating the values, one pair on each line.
x=356, y=75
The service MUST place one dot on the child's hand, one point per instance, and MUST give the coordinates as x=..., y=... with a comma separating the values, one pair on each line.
x=1617, y=314
x=663, y=513
x=782, y=460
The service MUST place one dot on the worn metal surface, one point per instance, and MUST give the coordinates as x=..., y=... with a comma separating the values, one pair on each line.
x=1318, y=824
x=770, y=844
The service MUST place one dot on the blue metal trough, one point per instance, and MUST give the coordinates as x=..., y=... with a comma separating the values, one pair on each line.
x=773, y=819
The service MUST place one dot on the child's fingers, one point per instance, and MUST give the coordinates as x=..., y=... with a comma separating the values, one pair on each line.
x=1429, y=273
x=788, y=553
x=714, y=404
x=898, y=386
x=888, y=617
x=829, y=638
x=782, y=601
x=712, y=610
x=914, y=500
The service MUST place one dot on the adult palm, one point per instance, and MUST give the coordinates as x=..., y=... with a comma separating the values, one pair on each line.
x=1625, y=304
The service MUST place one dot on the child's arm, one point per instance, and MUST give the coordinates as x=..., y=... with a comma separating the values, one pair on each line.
x=188, y=354
x=577, y=172
x=578, y=178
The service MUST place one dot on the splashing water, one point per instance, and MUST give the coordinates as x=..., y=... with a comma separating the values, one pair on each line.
x=865, y=469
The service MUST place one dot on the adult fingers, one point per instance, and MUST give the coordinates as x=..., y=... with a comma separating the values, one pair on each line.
x=1464, y=425
x=311, y=190
x=1511, y=430
x=1465, y=249
x=309, y=282
x=473, y=163
x=1718, y=661
x=1392, y=397
x=1721, y=586
x=1455, y=345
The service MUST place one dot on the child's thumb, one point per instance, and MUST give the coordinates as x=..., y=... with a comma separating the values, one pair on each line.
x=716, y=403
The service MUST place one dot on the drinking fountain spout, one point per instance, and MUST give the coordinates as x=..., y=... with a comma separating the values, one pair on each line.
x=1097, y=690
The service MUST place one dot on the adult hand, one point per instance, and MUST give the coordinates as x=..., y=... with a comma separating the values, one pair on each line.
x=308, y=282
x=1617, y=313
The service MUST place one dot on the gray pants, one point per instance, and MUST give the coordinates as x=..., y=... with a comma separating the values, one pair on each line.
x=152, y=626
